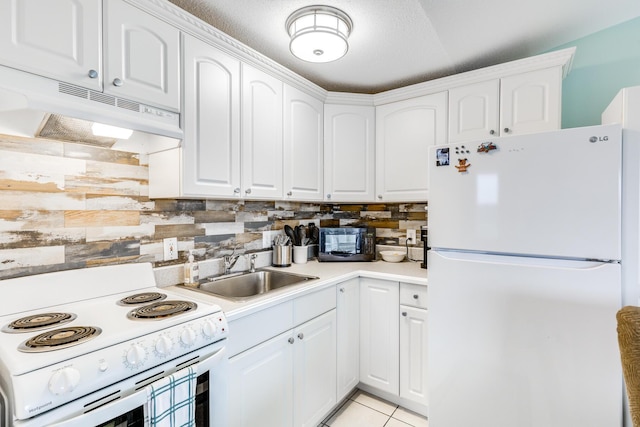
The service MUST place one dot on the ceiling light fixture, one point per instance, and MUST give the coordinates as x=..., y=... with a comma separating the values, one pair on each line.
x=319, y=33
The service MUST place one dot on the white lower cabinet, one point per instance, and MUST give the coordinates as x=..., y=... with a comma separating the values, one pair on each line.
x=261, y=385
x=379, y=358
x=290, y=379
x=348, y=336
x=413, y=354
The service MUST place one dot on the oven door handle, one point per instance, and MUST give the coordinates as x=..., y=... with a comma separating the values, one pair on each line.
x=208, y=364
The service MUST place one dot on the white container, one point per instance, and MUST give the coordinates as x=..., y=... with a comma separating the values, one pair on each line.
x=300, y=254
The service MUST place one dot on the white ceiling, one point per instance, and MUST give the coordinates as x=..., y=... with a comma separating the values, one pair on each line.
x=399, y=42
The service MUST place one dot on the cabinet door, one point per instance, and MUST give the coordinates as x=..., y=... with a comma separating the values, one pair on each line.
x=404, y=132
x=261, y=385
x=349, y=153
x=413, y=354
x=474, y=111
x=314, y=370
x=379, y=340
x=303, y=146
x=142, y=56
x=348, y=336
x=261, y=134
x=60, y=39
x=531, y=102
x=211, y=145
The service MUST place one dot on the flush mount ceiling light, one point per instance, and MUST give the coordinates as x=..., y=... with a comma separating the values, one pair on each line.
x=319, y=33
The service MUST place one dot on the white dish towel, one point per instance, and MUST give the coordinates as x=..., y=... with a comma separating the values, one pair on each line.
x=171, y=400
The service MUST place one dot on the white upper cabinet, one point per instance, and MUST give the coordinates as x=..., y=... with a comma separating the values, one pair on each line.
x=349, y=153
x=303, y=145
x=142, y=56
x=262, y=145
x=404, y=132
x=208, y=162
x=211, y=121
x=63, y=40
x=531, y=102
x=60, y=39
x=523, y=103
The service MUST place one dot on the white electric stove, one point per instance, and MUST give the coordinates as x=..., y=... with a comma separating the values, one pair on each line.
x=66, y=335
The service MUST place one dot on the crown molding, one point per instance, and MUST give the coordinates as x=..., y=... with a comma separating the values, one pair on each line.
x=194, y=26
x=189, y=24
x=563, y=58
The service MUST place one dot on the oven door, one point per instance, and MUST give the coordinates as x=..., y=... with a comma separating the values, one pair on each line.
x=129, y=411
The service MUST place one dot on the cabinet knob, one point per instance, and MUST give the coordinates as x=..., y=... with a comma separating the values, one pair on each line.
x=342, y=290
x=117, y=82
x=236, y=190
x=289, y=193
x=300, y=335
x=404, y=313
x=290, y=340
x=380, y=196
x=328, y=196
x=247, y=191
x=507, y=130
x=415, y=296
x=492, y=132
x=93, y=74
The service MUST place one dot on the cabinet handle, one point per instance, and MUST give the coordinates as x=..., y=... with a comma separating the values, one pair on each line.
x=117, y=82
x=247, y=191
x=93, y=74
x=290, y=193
x=342, y=290
x=492, y=132
x=291, y=340
x=236, y=190
x=507, y=130
x=300, y=335
x=404, y=313
x=415, y=296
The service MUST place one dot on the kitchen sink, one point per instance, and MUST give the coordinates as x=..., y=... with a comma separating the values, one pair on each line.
x=243, y=286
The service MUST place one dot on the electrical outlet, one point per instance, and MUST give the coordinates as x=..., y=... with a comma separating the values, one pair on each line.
x=411, y=237
x=170, y=248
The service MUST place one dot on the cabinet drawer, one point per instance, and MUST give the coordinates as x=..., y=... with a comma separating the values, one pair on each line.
x=309, y=306
x=413, y=295
x=251, y=330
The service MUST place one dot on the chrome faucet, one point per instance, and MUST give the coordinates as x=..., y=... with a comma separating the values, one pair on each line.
x=252, y=259
x=230, y=261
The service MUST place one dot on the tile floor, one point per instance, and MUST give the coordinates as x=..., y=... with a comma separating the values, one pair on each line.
x=364, y=410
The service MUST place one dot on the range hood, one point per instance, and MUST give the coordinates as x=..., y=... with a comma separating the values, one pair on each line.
x=29, y=102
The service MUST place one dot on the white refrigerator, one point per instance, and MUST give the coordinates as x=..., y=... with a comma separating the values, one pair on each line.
x=525, y=279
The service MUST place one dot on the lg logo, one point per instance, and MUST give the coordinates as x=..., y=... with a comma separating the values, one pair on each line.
x=598, y=139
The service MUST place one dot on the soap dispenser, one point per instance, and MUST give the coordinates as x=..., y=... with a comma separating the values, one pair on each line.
x=191, y=274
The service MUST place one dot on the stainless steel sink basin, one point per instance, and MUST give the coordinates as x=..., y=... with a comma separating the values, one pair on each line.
x=248, y=285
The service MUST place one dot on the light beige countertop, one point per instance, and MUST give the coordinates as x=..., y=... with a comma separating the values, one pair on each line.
x=329, y=274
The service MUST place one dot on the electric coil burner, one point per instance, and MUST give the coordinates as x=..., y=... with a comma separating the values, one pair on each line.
x=142, y=298
x=57, y=339
x=38, y=322
x=161, y=310
x=78, y=343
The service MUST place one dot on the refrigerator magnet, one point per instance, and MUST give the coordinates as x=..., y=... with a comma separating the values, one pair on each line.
x=462, y=165
x=442, y=156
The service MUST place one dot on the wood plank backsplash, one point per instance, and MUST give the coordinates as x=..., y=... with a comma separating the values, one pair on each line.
x=66, y=205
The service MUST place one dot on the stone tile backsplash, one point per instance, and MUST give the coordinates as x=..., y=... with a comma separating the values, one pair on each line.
x=66, y=205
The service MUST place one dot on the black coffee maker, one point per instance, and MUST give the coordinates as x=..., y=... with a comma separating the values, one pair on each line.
x=423, y=237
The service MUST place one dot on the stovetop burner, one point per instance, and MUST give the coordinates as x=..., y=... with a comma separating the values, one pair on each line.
x=38, y=322
x=59, y=338
x=142, y=298
x=162, y=309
